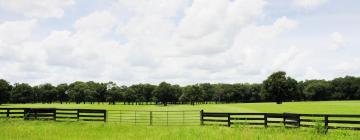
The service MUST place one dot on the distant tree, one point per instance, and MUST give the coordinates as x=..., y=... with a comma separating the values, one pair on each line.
x=78, y=92
x=164, y=93
x=317, y=90
x=22, y=93
x=97, y=91
x=208, y=91
x=219, y=93
x=277, y=85
x=62, y=93
x=255, y=90
x=47, y=93
x=192, y=94
x=114, y=93
x=345, y=88
x=5, y=89
x=148, y=92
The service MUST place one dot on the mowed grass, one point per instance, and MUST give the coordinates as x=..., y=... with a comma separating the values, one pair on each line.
x=331, y=107
x=12, y=129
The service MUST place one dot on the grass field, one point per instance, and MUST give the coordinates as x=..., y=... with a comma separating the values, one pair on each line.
x=351, y=107
x=17, y=129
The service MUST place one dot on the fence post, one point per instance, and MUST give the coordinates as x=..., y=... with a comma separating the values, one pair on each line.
x=135, y=117
x=78, y=115
x=54, y=114
x=120, y=115
x=299, y=120
x=284, y=119
x=201, y=117
x=228, y=119
x=265, y=120
x=105, y=115
x=151, y=118
x=8, y=112
x=326, y=121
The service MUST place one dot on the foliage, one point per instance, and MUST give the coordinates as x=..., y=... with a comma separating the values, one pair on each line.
x=277, y=87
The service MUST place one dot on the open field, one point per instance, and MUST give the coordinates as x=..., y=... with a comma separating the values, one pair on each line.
x=18, y=129
x=344, y=107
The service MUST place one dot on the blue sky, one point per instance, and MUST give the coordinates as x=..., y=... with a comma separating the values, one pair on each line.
x=179, y=41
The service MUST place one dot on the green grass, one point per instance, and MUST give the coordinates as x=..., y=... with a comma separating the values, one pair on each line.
x=41, y=130
x=350, y=107
x=11, y=129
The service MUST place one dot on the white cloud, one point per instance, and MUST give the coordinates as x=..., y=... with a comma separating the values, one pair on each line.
x=16, y=31
x=160, y=40
x=309, y=3
x=204, y=31
x=348, y=67
x=98, y=22
x=312, y=73
x=338, y=40
x=42, y=9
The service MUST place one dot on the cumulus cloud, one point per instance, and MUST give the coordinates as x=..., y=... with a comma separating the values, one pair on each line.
x=309, y=3
x=204, y=31
x=42, y=9
x=348, y=67
x=179, y=41
x=337, y=40
x=16, y=31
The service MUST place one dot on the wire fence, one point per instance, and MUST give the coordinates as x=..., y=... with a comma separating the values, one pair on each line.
x=141, y=117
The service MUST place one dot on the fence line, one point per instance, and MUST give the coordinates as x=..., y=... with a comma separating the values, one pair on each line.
x=142, y=117
x=293, y=120
x=189, y=117
x=55, y=114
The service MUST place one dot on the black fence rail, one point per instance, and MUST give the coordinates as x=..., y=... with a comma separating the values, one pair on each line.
x=55, y=114
x=141, y=117
x=329, y=121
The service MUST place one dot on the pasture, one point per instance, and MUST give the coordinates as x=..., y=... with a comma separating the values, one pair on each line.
x=18, y=129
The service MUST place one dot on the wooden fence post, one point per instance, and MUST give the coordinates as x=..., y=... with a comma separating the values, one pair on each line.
x=151, y=118
x=284, y=119
x=120, y=115
x=8, y=112
x=54, y=115
x=78, y=115
x=228, y=120
x=326, y=121
x=201, y=117
x=105, y=115
x=135, y=116
x=298, y=120
x=265, y=120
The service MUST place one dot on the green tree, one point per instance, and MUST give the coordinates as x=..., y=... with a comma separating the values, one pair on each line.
x=5, y=89
x=47, y=93
x=192, y=94
x=316, y=90
x=62, y=93
x=78, y=92
x=278, y=85
x=164, y=93
x=22, y=93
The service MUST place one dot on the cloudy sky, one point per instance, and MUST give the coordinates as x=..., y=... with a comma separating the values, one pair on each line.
x=178, y=41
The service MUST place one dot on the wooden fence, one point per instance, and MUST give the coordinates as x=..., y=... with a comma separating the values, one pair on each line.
x=142, y=117
x=55, y=114
x=138, y=117
x=329, y=121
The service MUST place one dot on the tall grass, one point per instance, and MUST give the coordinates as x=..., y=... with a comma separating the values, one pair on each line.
x=48, y=130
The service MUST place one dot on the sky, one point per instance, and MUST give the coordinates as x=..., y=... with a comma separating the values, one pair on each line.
x=177, y=41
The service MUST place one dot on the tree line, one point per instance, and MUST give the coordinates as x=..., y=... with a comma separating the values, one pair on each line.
x=276, y=88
